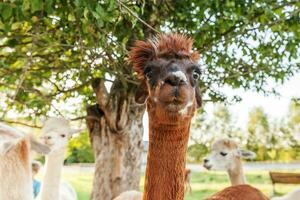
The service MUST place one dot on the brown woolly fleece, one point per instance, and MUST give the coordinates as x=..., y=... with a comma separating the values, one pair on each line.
x=239, y=192
x=163, y=46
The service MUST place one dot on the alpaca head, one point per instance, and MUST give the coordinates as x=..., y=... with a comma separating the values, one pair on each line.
x=168, y=71
x=226, y=155
x=56, y=133
x=10, y=137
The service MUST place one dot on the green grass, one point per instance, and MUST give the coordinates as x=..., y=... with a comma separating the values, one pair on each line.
x=203, y=183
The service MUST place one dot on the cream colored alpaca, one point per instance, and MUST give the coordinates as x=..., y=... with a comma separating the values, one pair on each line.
x=130, y=195
x=226, y=155
x=56, y=133
x=15, y=163
x=294, y=195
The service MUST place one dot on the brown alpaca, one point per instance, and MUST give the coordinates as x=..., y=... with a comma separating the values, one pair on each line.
x=187, y=180
x=239, y=192
x=168, y=71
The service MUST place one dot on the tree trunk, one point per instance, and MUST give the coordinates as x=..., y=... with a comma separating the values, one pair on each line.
x=115, y=127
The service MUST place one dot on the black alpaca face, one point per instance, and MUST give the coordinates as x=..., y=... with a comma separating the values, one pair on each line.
x=172, y=84
x=174, y=72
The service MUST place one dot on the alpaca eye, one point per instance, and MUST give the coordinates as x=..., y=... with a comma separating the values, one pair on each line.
x=148, y=72
x=148, y=75
x=196, y=75
x=223, y=153
x=63, y=135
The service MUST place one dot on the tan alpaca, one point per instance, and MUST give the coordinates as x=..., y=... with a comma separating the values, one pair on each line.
x=56, y=132
x=15, y=163
x=168, y=73
x=226, y=155
x=130, y=195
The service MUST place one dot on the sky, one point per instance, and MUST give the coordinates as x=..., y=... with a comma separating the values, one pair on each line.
x=274, y=106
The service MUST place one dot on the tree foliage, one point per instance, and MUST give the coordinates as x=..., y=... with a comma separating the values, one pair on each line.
x=51, y=50
x=79, y=150
x=271, y=139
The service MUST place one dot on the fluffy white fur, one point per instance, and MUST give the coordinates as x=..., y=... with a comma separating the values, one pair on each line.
x=56, y=133
x=294, y=195
x=130, y=195
x=15, y=163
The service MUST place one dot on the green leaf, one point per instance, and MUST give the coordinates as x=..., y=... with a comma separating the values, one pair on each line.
x=2, y=26
x=112, y=5
x=96, y=15
x=25, y=5
x=36, y=5
x=16, y=25
x=6, y=11
x=102, y=13
x=86, y=13
x=71, y=17
x=49, y=6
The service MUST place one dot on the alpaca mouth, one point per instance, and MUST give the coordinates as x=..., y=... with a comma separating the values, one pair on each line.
x=48, y=143
x=208, y=167
x=175, y=105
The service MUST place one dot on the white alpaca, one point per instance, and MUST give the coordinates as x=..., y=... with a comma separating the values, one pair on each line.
x=130, y=195
x=15, y=163
x=294, y=195
x=226, y=155
x=56, y=133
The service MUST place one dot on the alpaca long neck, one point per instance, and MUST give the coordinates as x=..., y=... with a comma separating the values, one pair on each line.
x=51, y=181
x=166, y=161
x=236, y=175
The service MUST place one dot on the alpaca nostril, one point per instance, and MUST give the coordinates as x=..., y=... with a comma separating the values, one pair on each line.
x=171, y=81
x=174, y=80
x=205, y=160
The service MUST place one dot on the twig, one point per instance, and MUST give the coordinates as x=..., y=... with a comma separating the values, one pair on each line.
x=78, y=118
x=136, y=16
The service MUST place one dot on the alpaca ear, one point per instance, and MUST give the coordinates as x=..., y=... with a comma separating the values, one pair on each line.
x=247, y=154
x=75, y=131
x=43, y=119
x=5, y=147
x=38, y=146
x=198, y=97
x=141, y=95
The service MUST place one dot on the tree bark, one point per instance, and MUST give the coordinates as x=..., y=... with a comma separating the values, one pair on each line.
x=116, y=132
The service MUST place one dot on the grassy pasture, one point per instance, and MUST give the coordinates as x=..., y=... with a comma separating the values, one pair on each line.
x=203, y=183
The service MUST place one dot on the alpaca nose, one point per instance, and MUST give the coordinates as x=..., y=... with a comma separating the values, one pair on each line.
x=205, y=160
x=176, y=78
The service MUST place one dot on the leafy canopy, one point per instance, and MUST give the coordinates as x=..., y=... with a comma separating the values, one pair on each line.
x=51, y=50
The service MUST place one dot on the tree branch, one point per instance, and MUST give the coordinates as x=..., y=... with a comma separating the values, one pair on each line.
x=137, y=17
x=20, y=123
